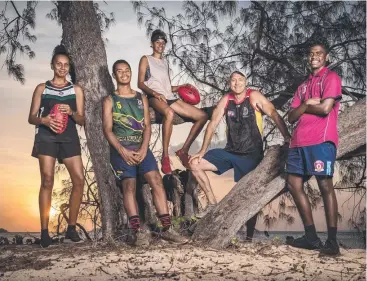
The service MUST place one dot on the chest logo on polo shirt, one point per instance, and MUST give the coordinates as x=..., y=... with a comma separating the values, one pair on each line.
x=319, y=166
x=245, y=112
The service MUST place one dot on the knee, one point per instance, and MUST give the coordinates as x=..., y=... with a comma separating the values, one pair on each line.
x=194, y=166
x=129, y=185
x=204, y=116
x=157, y=181
x=169, y=114
x=325, y=185
x=291, y=187
x=78, y=182
x=47, y=181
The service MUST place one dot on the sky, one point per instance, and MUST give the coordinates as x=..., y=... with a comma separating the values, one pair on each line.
x=19, y=172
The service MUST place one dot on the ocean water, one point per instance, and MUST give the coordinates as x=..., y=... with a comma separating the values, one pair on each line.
x=347, y=239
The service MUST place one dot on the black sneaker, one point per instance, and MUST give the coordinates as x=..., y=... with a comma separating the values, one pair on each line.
x=331, y=248
x=304, y=243
x=73, y=236
x=45, y=241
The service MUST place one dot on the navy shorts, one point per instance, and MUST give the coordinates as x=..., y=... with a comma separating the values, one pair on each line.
x=225, y=161
x=122, y=170
x=317, y=160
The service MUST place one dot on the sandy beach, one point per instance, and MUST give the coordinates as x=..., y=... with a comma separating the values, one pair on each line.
x=253, y=261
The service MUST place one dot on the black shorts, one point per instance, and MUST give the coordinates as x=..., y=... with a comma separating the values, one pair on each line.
x=169, y=102
x=59, y=150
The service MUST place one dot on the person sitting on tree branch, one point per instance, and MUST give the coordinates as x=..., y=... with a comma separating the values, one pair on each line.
x=154, y=80
x=126, y=126
x=313, y=146
x=242, y=109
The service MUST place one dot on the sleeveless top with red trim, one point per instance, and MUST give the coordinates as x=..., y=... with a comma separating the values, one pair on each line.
x=244, y=127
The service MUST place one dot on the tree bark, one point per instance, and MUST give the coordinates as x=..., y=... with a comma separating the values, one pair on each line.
x=82, y=37
x=191, y=196
x=147, y=205
x=260, y=186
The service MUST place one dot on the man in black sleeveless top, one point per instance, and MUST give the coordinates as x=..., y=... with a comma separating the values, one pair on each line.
x=243, y=110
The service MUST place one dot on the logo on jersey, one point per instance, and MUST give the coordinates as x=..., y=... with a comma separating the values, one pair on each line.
x=319, y=166
x=230, y=113
x=245, y=112
x=140, y=104
x=61, y=93
x=303, y=91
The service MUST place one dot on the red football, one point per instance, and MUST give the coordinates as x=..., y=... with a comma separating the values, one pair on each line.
x=63, y=117
x=189, y=94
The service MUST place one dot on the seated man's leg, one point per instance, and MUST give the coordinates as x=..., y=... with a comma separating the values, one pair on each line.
x=199, y=173
x=250, y=227
x=242, y=165
x=148, y=167
x=215, y=160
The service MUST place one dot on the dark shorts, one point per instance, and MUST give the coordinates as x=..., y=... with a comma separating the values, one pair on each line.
x=169, y=102
x=312, y=160
x=59, y=150
x=225, y=161
x=122, y=170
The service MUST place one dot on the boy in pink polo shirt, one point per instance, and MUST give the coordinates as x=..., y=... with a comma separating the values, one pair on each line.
x=313, y=147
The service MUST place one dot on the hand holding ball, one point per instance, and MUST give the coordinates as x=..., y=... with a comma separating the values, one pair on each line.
x=59, y=116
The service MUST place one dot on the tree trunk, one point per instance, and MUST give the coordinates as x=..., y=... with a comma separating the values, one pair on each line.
x=191, y=196
x=257, y=188
x=82, y=37
x=147, y=205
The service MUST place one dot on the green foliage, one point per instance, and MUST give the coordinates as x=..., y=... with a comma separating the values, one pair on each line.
x=234, y=241
x=177, y=221
x=17, y=29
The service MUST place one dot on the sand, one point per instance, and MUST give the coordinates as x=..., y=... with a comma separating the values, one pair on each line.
x=253, y=261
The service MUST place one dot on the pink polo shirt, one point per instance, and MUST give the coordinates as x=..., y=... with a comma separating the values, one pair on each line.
x=314, y=129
